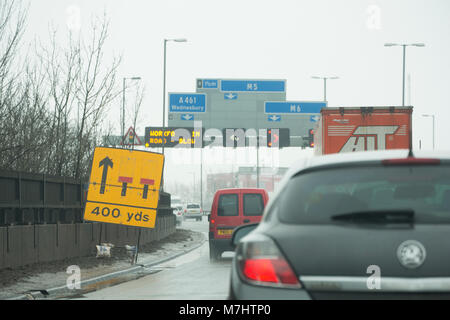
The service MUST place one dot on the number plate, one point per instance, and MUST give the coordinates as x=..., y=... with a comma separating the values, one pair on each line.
x=225, y=232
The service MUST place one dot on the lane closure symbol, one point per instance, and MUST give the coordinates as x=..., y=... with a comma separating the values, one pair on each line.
x=106, y=162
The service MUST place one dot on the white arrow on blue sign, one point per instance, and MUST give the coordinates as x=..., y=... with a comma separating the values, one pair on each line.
x=314, y=118
x=230, y=96
x=187, y=116
x=274, y=118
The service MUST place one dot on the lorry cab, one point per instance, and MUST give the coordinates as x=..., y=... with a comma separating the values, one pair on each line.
x=232, y=208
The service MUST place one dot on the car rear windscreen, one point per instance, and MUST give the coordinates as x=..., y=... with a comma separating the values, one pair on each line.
x=253, y=204
x=318, y=196
x=193, y=206
x=228, y=205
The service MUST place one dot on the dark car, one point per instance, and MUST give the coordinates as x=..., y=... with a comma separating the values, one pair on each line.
x=365, y=225
x=230, y=209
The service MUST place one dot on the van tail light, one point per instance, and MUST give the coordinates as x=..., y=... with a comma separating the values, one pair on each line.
x=201, y=210
x=185, y=210
x=260, y=262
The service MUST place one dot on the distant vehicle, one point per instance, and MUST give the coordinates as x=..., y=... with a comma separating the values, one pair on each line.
x=177, y=205
x=365, y=225
x=193, y=211
x=362, y=129
x=230, y=209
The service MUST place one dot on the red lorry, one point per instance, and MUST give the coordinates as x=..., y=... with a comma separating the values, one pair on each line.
x=349, y=129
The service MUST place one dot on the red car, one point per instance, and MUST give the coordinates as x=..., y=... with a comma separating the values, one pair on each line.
x=232, y=208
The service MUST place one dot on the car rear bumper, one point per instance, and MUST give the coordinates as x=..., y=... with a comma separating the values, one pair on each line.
x=193, y=215
x=241, y=290
x=222, y=244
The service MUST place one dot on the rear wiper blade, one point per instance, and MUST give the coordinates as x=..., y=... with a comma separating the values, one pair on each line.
x=378, y=216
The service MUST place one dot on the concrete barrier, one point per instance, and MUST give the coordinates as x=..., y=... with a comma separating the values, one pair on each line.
x=27, y=244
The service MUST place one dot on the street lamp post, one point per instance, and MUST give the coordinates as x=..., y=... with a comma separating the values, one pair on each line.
x=324, y=84
x=404, y=45
x=164, y=81
x=193, y=197
x=432, y=116
x=123, y=102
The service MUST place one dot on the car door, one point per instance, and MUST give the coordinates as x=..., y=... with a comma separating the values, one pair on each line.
x=253, y=203
x=228, y=213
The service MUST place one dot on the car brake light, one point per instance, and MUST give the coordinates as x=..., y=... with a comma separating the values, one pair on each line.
x=213, y=221
x=261, y=263
x=410, y=161
x=185, y=210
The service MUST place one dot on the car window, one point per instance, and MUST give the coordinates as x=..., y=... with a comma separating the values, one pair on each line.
x=228, y=205
x=316, y=196
x=253, y=204
x=193, y=206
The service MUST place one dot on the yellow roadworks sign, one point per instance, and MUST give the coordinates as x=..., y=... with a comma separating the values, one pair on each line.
x=124, y=187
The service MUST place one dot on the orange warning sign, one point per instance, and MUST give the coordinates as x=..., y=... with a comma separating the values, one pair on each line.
x=124, y=187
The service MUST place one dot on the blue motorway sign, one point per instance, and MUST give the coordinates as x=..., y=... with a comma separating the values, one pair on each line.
x=230, y=96
x=293, y=107
x=187, y=102
x=253, y=85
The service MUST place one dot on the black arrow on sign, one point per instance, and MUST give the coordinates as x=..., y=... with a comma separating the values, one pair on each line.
x=105, y=163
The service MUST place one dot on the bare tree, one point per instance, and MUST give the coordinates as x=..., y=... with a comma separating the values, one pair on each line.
x=96, y=90
x=52, y=107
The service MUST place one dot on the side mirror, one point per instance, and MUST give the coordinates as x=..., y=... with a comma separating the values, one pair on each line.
x=241, y=232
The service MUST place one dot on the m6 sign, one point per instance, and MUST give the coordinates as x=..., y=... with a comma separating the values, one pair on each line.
x=124, y=187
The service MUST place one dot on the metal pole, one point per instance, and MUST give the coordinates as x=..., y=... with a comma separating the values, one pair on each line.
x=201, y=178
x=193, y=198
x=257, y=164
x=123, y=108
x=403, y=88
x=324, y=89
x=433, y=131
x=164, y=91
x=164, y=110
x=137, y=247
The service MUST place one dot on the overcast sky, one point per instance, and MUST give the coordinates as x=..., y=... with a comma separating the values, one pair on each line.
x=278, y=39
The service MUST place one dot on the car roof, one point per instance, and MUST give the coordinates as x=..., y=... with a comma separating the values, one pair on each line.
x=316, y=161
x=241, y=189
x=362, y=156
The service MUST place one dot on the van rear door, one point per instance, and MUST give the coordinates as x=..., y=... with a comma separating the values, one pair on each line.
x=253, y=203
x=228, y=208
